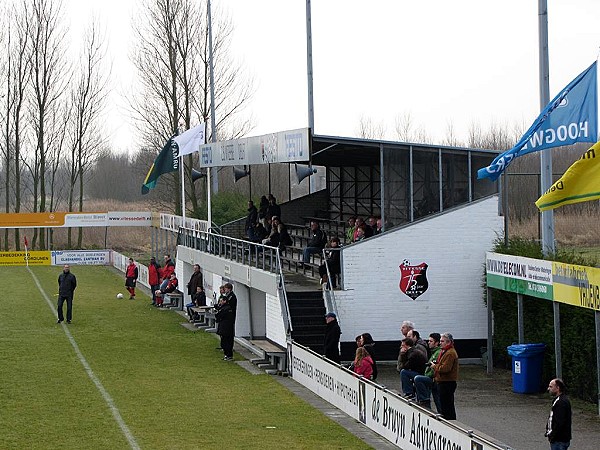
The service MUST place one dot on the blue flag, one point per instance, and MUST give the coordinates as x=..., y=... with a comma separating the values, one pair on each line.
x=572, y=116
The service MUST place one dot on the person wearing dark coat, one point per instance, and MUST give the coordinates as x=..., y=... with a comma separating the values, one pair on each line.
x=316, y=243
x=414, y=364
x=558, y=428
x=252, y=217
x=262, y=210
x=274, y=209
x=332, y=257
x=195, y=281
x=66, y=288
x=331, y=343
x=225, y=317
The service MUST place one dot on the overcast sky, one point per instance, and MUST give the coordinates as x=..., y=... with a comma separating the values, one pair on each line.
x=459, y=62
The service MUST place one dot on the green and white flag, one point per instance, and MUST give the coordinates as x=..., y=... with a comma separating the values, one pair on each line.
x=166, y=161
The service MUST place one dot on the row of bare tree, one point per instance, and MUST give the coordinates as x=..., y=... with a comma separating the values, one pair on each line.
x=50, y=110
x=54, y=148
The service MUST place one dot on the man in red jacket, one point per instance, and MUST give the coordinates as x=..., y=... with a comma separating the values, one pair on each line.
x=131, y=276
x=170, y=287
x=154, y=276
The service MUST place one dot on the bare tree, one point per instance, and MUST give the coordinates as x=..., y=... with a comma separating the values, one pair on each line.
x=407, y=131
x=49, y=76
x=367, y=129
x=87, y=103
x=451, y=139
x=171, y=57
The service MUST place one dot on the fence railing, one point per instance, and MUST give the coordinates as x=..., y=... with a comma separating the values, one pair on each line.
x=259, y=256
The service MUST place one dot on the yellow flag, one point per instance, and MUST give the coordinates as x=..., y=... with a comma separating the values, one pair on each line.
x=580, y=183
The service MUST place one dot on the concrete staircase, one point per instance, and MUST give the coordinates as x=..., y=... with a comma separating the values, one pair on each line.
x=307, y=311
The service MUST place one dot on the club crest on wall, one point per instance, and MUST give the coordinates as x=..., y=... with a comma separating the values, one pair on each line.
x=413, y=279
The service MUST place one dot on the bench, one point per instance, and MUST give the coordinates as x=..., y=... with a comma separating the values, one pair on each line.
x=205, y=315
x=173, y=299
x=274, y=358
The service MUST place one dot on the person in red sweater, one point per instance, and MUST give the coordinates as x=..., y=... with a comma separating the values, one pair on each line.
x=131, y=276
x=170, y=287
x=363, y=364
x=154, y=276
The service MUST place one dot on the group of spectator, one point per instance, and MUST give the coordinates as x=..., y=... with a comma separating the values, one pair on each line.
x=161, y=280
x=264, y=225
x=365, y=363
x=359, y=228
x=428, y=369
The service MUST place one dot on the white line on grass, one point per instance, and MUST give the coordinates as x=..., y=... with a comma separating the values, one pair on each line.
x=107, y=398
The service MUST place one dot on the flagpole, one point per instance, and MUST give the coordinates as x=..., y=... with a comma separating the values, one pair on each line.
x=182, y=172
x=547, y=222
x=309, y=68
x=213, y=124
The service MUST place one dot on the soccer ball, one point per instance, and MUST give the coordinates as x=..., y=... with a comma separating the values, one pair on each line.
x=119, y=295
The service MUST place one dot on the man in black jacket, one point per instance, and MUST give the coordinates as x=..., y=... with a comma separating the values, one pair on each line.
x=251, y=219
x=195, y=281
x=332, y=338
x=66, y=287
x=225, y=317
x=558, y=428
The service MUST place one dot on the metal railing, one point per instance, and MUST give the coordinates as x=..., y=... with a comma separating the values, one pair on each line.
x=259, y=256
x=329, y=294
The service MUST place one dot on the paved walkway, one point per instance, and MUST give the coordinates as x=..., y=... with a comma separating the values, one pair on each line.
x=487, y=404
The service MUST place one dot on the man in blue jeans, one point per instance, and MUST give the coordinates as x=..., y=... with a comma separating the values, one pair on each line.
x=316, y=242
x=558, y=428
x=424, y=384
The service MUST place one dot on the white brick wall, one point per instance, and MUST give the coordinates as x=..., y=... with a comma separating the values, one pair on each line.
x=275, y=328
x=453, y=245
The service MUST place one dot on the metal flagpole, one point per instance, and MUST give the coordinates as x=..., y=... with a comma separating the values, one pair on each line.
x=213, y=124
x=547, y=222
x=309, y=69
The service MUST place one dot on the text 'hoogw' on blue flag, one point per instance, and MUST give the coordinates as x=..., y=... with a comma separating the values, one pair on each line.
x=571, y=116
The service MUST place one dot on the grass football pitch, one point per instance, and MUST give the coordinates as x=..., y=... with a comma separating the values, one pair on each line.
x=126, y=375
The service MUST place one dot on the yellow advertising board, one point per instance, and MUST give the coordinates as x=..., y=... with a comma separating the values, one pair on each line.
x=576, y=285
x=35, y=258
x=26, y=220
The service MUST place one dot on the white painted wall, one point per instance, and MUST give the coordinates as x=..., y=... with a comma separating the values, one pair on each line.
x=453, y=245
x=275, y=328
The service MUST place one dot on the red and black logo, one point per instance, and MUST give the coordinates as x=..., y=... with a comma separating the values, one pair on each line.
x=413, y=279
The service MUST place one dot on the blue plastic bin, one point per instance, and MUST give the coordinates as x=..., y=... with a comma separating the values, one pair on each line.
x=527, y=360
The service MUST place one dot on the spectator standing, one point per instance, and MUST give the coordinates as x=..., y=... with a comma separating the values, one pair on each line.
x=558, y=428
x=413, y=364
x=445, y=376
x=66, y=288
x=226, y=312
x=154, y=278
x=420, y=344
x=424, y=385
x=366, y=341
x=167, y=271
x=195, y=281
x=332, y=258
x=274, y=209
x=262, y=210
x=316, y=243
x=131, y=276
x=363, y=364
x=350, y=230
x=331, y=343
x=404, y=329
x=251, y=219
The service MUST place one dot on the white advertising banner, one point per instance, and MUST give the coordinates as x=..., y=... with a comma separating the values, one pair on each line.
x=129, y=219
x=383, y=412
x=284, y=146
x=80, y=257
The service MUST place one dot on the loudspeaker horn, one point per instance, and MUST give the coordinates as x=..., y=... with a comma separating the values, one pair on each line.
x=238, y=174
x=303, y=171
x=196, y=174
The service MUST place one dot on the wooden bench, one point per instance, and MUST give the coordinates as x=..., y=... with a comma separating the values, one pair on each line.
x=274, y=360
